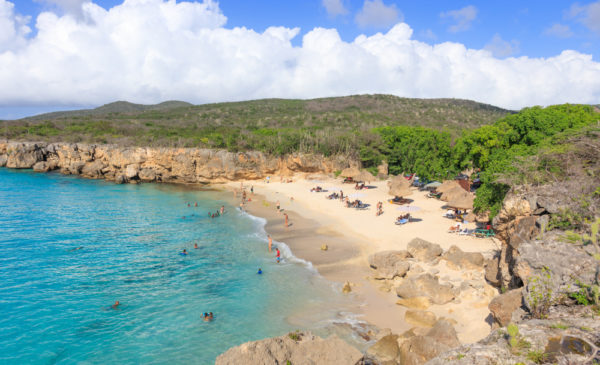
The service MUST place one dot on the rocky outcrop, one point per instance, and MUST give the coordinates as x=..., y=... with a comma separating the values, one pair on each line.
x=295, y=348
x=423, y=250
x=504, y=306
x=178, y=165
x=389, y=264
x=457, y=259
x=426, y=285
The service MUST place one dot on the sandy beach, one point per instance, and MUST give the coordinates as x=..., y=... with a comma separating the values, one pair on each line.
x=352, y=235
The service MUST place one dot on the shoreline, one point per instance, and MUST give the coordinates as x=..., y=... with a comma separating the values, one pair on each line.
x=346, y=259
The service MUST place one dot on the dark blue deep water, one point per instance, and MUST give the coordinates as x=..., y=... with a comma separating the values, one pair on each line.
x=70, y=247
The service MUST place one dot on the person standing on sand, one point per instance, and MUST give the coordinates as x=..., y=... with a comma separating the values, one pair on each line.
x=278, y=206
x=277, y=255
x=270, y=243
x=222, y=209
x=286, y=219
x=252, y=189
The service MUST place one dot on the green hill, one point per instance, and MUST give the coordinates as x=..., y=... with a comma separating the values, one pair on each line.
x=328, y=125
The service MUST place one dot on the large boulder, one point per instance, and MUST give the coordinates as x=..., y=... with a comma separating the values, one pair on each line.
x=93, y=169
x=415, y=302
x=423, y=250
x=458, y=259
x=389, y=264
x=386, y=349
x=24, y=155
x=296, y=348
x=3, y=160
x=417, y=349
x=42, y=166
x=426, y=285
x=420, y=318
x=131, y=171
x=147, y=174
x=492, y=271
x=505, y=305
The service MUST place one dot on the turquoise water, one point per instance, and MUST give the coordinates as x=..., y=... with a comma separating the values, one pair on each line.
x=55, y=299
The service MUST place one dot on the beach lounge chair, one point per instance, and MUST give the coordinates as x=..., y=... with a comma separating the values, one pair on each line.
x=363, y=206
x=434, y=195
x=402, y=221
x=484, y=233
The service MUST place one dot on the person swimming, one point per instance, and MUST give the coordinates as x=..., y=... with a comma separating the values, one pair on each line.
x=195, y=245
x=184, y=252
x=259, y=272
x=222, y=209
x=116, y=305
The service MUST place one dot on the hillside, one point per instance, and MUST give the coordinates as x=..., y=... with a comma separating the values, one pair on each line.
x=278, y=126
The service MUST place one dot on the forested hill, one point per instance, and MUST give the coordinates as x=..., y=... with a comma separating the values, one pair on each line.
x=270, y=125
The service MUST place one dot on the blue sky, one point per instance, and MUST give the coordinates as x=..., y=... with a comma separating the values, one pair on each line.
x=507, y=30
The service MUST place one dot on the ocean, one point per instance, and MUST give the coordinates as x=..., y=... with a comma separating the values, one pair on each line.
x=71, y=247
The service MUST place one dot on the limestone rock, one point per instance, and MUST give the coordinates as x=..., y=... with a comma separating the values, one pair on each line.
x=428, y=286
x=147, y=174
x=492, y=273
x=23, y=155
x=120, y=179
x=458, y=259
x=415, y=302
x=131, y=171
x=389, y=264
x=303, y=348
x=504, y=305
x=93, y=169
x=41, y=166
x=420, y=318
x=423, y=250
x=3, y=160
x=386, y=349
x=443, y=332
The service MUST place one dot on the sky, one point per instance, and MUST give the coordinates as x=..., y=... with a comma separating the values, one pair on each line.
x=69, y=54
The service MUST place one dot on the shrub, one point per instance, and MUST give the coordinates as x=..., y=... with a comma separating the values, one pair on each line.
x=540, y=295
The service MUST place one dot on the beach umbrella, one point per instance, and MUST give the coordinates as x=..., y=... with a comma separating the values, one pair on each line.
x=447, y=185
x=350, y=172
x=464, y=202
x=364, y=176
x=451, y=194
x=433, y=185
x=396, y=179
x=406, y=208
x=399, y=189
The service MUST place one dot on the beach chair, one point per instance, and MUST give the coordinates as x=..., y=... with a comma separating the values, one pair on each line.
x=401, y=221
x=363, y=206
x=434, y=195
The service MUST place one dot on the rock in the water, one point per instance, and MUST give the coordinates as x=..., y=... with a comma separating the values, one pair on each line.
x=458, y=259
x=297, y=348
x=420, y=318
x=389, y=264
x=423, y=250
x=415, y=302
x=132, y=171
x=147, y=175
x=504, y=305
x=428, y=286
x=41, y=166
x=120, y=179
x=386, y=349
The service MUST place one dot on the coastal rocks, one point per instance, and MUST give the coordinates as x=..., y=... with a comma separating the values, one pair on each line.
x=457, y=259
x=492, y=271
x=420, y=318
x=386, y=350
x=295, y=348
x=504, y=305
x=415, y=302
x=423, y=250
x=428, y=286
x=41, y=166
x=389, y=264
x=417, y=349
x=177, y=165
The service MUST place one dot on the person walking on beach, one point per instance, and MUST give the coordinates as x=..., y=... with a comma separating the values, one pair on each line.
x=278, y=206
x=270, y=243
x=252, y=189
x=277, y=255
x=286, y=219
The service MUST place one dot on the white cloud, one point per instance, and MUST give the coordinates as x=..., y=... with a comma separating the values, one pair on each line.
x=588, y=15
x=72, y=7
x=334, y=7
x=463, y=18
x=559, y=31
x=501, y=48
x=375, y=13
x=147, y=51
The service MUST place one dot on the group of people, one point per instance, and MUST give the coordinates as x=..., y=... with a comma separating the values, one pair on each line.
x=208, y=316
x=218, y=213
x=316, y=189
x=359, y=185
x=354, y=204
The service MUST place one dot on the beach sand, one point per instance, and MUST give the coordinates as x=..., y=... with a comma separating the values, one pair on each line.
x=352, y=235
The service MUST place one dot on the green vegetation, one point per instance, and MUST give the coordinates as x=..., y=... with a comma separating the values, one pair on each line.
x=537, y=357
x=586, y=294
x=435, y=138
x=515, y=340
x=295, y=335
x=541, y=296
x=559, y=326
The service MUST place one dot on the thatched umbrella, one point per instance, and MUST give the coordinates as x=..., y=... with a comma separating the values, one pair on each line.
x=399, y=189
x=447, y=185
x=455, y=192
x=364, y=176
x=464, y=202
x=471, y=217
x=350, y=172
x=397, y=179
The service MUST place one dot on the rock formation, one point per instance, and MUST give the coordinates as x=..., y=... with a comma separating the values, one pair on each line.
x=147, y=164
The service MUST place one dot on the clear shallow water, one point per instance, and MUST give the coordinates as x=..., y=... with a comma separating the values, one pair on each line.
x=54, y=301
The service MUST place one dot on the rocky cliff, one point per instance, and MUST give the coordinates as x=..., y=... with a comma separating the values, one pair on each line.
x=147, y=164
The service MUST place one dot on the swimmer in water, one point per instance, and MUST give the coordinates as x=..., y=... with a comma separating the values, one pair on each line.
x=259, y=272
x=196, y=204
x=210, y=316
x=222, y=209
x=76, y=248
x=270, y=243
x=116, y=305
x=184, y=252
x=189, y=205
x=195, y=245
